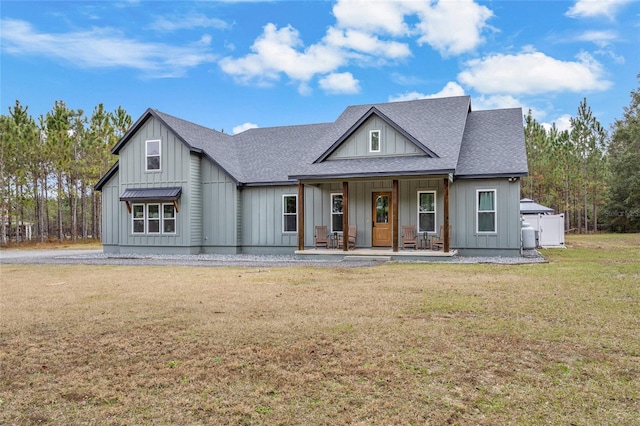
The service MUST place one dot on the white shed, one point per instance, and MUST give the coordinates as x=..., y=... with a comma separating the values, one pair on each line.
x=549, y=227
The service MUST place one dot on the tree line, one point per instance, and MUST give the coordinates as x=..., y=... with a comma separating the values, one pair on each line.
x=590, y=175
x=48, y=169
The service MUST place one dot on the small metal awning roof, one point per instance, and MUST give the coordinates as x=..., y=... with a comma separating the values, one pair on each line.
x=528, y=206
x=151, y=194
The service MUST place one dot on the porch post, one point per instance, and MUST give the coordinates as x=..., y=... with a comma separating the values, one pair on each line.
x=394, y=215
x=345, y=216
x=446, y=216
x=300, y=216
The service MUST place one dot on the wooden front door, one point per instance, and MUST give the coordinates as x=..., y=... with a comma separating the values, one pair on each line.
x=381, y=219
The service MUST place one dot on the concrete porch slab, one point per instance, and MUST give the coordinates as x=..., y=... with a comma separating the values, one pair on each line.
x=383, y=255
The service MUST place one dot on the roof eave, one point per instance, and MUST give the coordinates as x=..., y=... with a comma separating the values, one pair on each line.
x=107, y=176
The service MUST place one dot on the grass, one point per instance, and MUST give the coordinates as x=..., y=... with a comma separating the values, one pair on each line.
x=553, y=343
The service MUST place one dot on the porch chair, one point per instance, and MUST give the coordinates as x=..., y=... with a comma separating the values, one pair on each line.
x=409, y=236
x=437, y=241
x=353, y=231
x=321, y=237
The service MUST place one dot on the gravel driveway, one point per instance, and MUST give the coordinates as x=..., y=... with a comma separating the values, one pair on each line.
x=96, y=257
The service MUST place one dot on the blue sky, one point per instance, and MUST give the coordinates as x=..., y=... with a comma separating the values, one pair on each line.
x=237, y=64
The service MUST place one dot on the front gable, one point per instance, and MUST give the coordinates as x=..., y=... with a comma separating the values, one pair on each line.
x=375, y=135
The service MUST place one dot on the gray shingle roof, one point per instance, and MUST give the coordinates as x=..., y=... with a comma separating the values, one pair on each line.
x=483, y=143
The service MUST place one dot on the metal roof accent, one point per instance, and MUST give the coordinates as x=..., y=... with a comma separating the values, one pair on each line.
x=151, y=194
x=528, y=206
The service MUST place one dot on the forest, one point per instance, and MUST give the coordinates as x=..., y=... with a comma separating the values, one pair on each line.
x=49, y=166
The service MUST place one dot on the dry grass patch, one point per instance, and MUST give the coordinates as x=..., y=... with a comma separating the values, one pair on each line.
x=395, y=344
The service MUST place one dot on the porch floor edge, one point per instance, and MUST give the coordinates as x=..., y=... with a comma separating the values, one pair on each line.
x=376, y=253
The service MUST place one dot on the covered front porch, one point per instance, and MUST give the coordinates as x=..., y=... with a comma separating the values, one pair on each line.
x=380, y=254
x=376, y=210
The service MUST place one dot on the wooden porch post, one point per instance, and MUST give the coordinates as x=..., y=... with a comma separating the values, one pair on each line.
x=446, y=216
x=300, y=216
x=394, y=215
x=345, y=216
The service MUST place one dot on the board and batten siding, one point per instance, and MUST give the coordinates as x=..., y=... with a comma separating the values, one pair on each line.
x=111, y=212
x=463, y=203
x=176, y=163
x=262, y=218
x=219, y=210
x=392, y=143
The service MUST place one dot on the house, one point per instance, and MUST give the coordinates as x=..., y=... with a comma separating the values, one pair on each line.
x=179, y=187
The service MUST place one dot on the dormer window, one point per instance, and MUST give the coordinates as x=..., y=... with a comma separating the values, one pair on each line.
x=374, y=141
x=152, y=156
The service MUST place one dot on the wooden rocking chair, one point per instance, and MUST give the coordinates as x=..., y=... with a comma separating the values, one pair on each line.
x=409, y=236
x=321, y=237
x=437, y=241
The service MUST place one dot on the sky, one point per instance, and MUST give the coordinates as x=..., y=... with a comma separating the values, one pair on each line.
x=233, y=65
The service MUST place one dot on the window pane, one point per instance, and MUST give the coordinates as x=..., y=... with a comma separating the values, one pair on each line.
x=290, y=204
x=153, y=163
x=336, y=224
x=375, y=141
x=485, y=200
x=427, y=202
x=486, y=222
x=169, y=211
x=290, y=223
x=138, y=226
x=154, y=211
x=382, y=209
x=153, y=148
x=169, y=226
x=427, y=222
x=138, y=212
x=336, y=206
x=154, y=226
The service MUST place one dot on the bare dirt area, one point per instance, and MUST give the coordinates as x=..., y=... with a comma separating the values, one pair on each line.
x=552, y=343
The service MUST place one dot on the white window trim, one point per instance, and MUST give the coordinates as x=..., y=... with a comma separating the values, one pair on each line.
x=146, y=155
x=285, y=214
x=161, y=218
x=371, y=132
x=174, y=218
x=134, y=219
x=495, y=210
x=331, y=213
x=435, y=209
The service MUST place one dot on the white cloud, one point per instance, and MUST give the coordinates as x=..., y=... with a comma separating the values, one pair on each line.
x=275, y=52
x=102, y=48
x=173, y=23
x=562, y=123
x=366, y=43
x=450, y=89
x=338, y=83
x=242, y=127
x=533, y=73
x=453, y=27
x=595, y=8
x=480, y=103
x=366, y=33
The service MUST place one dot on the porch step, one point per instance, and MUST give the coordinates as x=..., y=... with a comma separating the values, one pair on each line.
x=368, y=258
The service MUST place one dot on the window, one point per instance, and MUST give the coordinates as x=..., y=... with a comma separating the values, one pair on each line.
x=426, y=211
x=336, y=212
x=374, y=141
x=147, y=218
x=289, y=213
x=486, y=208
x=152, y=155
x=168, y=219
x=138, y=218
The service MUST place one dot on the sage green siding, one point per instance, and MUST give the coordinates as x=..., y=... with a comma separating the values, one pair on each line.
x=392, y=143
x=111, y=212
x=178, y=168
x=463, y=204
x=219, y=210
x=262, y=217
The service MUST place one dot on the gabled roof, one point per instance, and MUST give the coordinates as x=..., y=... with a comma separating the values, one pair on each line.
x=493, y=145
x=457, y=141
x=528, y=206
